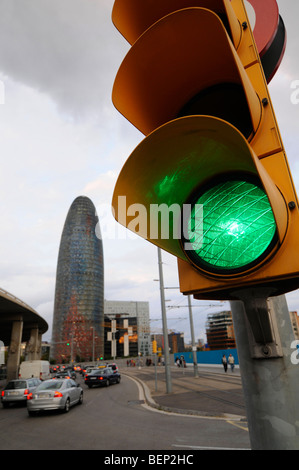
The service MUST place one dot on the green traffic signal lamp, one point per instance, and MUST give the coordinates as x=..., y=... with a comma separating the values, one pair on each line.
x=199, y=162
x=231, y=226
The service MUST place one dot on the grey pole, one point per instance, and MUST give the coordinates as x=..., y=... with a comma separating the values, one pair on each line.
x=93, y=340
x=164, y=323
x=72, y=347
x=269, y=369
x=192, y=337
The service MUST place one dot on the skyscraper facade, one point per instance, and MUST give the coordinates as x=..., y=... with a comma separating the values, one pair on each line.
x=78, y=321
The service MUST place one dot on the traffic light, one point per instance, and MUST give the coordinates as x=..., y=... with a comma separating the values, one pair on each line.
x=210, y=183
x=154, y=346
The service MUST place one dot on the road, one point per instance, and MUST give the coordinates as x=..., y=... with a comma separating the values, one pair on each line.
x=115, y=418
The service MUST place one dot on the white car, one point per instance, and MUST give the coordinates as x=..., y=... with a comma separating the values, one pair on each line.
x=54, y=394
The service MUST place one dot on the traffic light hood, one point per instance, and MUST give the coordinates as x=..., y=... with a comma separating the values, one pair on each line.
x=172, y=164
x=133, y=17
x=195, y=56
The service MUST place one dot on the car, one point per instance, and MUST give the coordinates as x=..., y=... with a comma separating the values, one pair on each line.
x=65, y=374
x=88, y=370
x=114, y=367
x=16, y=391
x=102, y=377
x=54, y=394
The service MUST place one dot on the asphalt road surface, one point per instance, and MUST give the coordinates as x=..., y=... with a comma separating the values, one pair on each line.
x=115, y=418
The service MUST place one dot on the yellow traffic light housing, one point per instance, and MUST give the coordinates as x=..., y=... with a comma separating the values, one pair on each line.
x=213, y=159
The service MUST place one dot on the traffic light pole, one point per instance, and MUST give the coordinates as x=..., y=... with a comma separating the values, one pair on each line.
x=269, y=369
x=164, y=323
x=194, y=349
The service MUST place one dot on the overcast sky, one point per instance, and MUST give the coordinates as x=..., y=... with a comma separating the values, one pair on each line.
x=61, y=137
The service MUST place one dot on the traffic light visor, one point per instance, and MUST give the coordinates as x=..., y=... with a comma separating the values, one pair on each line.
x=197, y=69
x=133, y=17
x=176, y=165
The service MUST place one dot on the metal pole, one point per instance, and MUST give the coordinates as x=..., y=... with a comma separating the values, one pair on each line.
x=164, y=323
x=72, y=347
x=93, y=344
x=192, y=337
x=268, y=361
x=156, y=376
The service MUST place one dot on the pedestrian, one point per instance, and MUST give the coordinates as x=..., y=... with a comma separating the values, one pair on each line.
x=231, y=361
x=224, y=362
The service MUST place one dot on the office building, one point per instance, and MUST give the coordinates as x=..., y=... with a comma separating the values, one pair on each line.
x=220, y=331
x=127, y=310
x=78, y=322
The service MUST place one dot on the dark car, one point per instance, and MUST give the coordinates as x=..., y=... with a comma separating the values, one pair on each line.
x=16, y=391
x=102, y=377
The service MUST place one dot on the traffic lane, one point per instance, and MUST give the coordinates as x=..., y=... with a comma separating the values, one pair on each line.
x=81, y=428
x=88, y=426
x=113, y=419
x=137, y=426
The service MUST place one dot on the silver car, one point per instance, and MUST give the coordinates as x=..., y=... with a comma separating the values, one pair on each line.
x=54, y=394
x=17, y=391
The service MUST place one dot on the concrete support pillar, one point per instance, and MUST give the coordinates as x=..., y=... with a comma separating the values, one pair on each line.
x=39, y=345
x=34, y=345
x=14, y=351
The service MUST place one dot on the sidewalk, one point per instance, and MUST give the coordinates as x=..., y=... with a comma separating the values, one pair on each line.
x=213, y=393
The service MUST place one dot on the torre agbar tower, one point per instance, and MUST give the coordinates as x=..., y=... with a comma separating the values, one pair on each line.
x=78, y=322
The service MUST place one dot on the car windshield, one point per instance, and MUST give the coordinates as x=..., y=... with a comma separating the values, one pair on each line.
x=13, y=385
x=50, y=385
x=98, y=372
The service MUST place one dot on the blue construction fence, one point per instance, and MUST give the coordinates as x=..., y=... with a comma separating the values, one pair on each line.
x=208, y=357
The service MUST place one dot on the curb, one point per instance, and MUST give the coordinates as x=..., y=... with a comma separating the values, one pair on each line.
x=203, y=414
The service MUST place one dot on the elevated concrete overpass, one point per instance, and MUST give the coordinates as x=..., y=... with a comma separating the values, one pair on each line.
x=19, y=323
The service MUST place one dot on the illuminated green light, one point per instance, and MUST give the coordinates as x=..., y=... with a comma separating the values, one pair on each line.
x=231, y=226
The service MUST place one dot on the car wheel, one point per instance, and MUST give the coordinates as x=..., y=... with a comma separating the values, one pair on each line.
x=80, y=399
x=107, y=383
x=67, y=406
x=118, y=380
x=32, y=413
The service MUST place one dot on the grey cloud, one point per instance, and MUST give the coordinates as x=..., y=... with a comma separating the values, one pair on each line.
x=68, y=49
